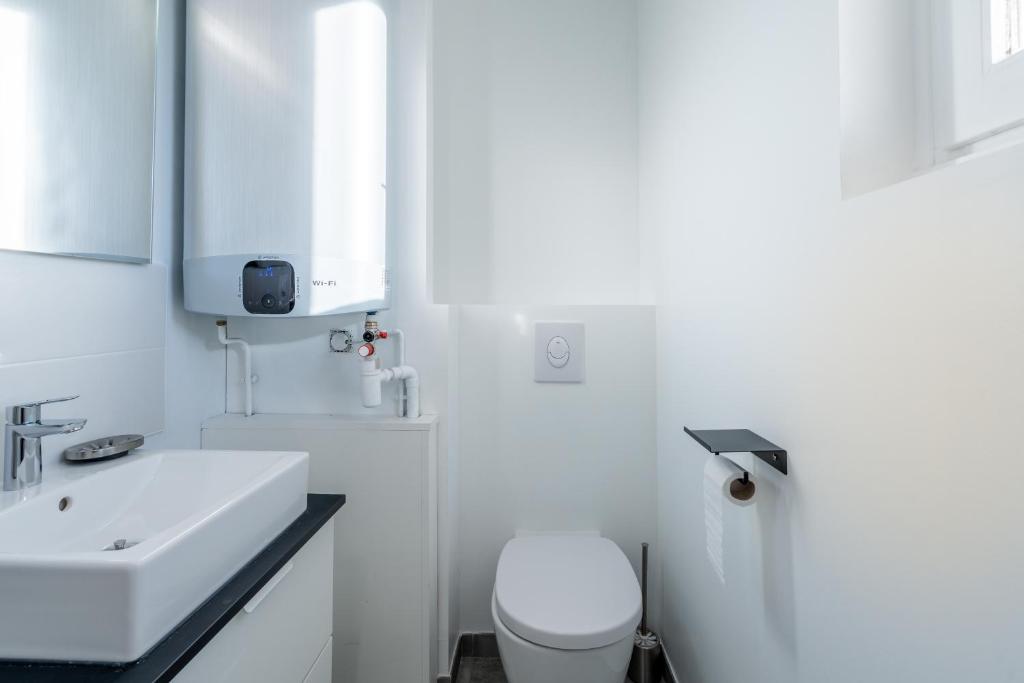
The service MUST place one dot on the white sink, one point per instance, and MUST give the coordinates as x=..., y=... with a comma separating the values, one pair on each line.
x=195, y=517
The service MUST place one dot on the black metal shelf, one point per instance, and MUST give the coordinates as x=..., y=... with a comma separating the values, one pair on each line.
x=720, y=441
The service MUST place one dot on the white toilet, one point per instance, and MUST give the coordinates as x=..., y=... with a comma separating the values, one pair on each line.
x=565, y=609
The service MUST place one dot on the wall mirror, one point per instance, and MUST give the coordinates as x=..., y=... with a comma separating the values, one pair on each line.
x=77, y=88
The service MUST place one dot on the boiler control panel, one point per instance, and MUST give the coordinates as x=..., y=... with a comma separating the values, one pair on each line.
x=268, y=287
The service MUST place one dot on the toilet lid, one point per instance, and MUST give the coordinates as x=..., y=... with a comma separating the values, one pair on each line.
x=567, y=592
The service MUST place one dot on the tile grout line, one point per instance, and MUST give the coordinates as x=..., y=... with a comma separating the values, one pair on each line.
x=84, y=356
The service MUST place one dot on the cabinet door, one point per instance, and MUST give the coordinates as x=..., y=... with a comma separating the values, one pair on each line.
x=280, y=634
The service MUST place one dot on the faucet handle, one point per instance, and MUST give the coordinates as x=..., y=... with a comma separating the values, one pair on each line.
x=25, y=413
x=36, y=404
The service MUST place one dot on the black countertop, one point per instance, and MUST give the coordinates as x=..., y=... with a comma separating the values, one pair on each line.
x=183, y=643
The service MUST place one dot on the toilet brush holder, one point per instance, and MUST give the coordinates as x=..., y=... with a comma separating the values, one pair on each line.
x=646, y=664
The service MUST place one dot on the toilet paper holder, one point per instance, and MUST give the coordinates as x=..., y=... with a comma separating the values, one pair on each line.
x=720, y=441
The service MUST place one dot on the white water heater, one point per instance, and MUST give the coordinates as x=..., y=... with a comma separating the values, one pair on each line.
x=285, y=157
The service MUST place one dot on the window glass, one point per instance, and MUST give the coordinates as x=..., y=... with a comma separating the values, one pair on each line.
x=1007, y=24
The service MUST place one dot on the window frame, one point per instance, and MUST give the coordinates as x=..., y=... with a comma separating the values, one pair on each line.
x=976, y=100
x=989, y=35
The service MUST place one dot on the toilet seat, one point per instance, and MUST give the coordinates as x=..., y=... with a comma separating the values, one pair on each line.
x=567, y=592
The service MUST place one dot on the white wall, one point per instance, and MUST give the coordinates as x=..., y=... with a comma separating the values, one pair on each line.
x=534, y=124
x=551, y=457
x=876, y=339
x=885, y=92
x=195, y=362
x=533, y=215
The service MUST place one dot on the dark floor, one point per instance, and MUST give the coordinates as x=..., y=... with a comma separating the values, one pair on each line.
x=481, y=670
x=479, y=659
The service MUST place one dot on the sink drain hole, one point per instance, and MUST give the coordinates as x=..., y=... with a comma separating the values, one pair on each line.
x=63, y=504
x=121, y=544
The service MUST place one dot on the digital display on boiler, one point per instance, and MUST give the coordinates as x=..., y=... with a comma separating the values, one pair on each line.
x=268, y=287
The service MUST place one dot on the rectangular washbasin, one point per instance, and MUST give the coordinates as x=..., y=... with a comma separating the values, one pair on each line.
x=102, y=561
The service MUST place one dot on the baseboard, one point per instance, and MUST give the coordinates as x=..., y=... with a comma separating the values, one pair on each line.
x=470, y=645
x=669, y=673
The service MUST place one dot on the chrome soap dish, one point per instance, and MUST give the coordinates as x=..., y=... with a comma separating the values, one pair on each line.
x=104, y=449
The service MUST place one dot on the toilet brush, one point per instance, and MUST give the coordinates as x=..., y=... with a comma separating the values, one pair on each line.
x=645, y=665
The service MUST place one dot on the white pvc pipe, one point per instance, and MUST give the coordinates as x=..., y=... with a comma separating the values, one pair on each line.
x=403, y=407
x=222, y=335
x=411, y=382
x=412, y=396
x=373, y=378
x=400, y=345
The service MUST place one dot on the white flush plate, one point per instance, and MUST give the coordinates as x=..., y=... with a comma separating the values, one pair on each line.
x=559, y=352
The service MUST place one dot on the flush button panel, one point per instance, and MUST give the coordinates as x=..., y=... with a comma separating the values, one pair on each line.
x=559, y=352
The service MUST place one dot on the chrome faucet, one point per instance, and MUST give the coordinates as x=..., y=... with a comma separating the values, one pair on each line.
x=23, y=434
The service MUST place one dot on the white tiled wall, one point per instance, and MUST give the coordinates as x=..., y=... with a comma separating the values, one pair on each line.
x=84, y=327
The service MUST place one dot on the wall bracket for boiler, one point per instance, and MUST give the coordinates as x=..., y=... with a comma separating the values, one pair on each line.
x=720, y=441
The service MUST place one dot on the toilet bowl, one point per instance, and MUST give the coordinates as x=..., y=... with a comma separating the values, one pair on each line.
x=565, y=609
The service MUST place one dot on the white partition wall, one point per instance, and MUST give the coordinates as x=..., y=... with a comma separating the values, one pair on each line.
x=534, y=169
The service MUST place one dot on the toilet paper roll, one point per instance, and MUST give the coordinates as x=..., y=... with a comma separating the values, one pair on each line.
x=723, y=480
x=725, y=477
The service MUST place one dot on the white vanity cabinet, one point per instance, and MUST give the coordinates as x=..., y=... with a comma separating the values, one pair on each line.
x=284, y=633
